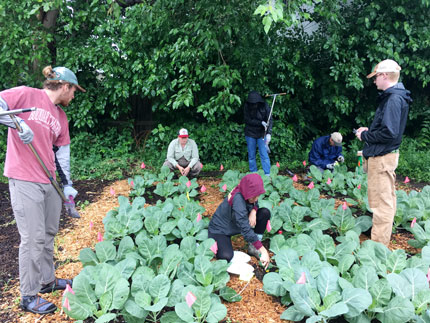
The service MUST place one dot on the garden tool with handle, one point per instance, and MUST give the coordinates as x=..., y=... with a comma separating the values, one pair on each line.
x=69, y=203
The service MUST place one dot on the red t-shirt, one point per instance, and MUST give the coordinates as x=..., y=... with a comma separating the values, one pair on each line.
x=50, y=127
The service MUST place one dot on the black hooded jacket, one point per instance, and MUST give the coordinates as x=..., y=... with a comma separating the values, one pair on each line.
x=256, y=110
x=386, y=131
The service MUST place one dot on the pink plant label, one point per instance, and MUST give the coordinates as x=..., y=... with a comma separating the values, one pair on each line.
x=302, y=279
x=99, y=237
x=214, y=248
x=277, y=164
x=142, y=165
x=132, y=184
x=199, y=217
x=224, y=187
x=188, y=184
x=329, y=181
x=344, y=206
x=413, y=222
x=112, y=191
x=268, y=226
x=66, y=304
x=311, y=185
x=203, y=189
x=304, y=163
x=190, y=299
x=221, y=167
x=359, y=186
x=407, y=180
x=295, y=178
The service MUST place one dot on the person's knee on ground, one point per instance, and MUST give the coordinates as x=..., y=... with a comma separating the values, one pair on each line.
x=263, y=215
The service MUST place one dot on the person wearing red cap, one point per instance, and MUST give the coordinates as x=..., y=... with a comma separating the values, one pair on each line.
x=35, y=202
x=239, y=214
x=183, y=154
x=381, y=146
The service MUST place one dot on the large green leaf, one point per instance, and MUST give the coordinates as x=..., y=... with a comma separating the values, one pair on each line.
x=105, y=251
x=184, y=312
x=327, y=281
x=120, y=294
x=216, y=313
x=159, y=286
x=203, y=270
x=107, y=279
x=302, y=302
x=357, y=300
x=398, y=310
x=273, y=284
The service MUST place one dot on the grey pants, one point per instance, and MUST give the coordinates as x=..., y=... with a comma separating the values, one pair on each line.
x=37, y=209
x=194, y=171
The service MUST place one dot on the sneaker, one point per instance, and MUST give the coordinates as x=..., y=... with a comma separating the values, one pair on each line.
x=252, y=251
x=37, y=305
x=57, y=284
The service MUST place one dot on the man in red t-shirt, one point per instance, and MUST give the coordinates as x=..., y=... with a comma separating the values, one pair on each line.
x=35, y=202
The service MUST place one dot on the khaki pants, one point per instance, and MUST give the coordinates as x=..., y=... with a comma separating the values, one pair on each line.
x=37, y=209
x=382, y=194
x=194, y=171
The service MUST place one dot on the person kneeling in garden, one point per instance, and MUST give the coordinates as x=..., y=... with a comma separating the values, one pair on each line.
x=183, y=154
x=326, y=151
x=239, y=213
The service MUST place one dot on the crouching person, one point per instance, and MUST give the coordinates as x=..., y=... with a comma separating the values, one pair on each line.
x=183, y=154
x=239, y=213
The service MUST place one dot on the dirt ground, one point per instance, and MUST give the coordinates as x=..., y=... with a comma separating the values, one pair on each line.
x=95, y=199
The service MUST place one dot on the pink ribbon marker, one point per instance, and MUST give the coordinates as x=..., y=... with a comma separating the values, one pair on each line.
x=199, y=217
x=277, y=164
x=190, y=299
x=99, y=237
x=413, y=222
x=302, y=279
x=203, y=189
x=66, y=304
x=214, y=248
x=407, y=180
x=112, y=191
x=221, y=167
x=329, y=181
x=344, y=206
x=295, y=178
x=268, y=226
x=359, y=186
x=188, y=184
x=142, y=165
x=132, y=184
x=224, y=187
x=311, y=185
x=304, y=163
x=68, y=290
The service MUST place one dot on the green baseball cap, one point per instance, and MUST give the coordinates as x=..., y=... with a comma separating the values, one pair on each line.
x=64, y=74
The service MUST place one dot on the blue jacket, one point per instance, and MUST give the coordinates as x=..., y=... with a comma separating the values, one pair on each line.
x=322, y=153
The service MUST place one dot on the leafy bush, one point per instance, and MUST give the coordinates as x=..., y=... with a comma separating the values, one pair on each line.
x=414, y=160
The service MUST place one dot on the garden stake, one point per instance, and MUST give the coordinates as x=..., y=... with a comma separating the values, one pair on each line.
x=69, y=203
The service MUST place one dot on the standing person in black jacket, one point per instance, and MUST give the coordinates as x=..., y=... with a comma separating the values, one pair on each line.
x=381, y=149
x=258, y=131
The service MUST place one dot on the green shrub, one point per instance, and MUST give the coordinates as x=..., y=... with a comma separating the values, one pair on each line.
x=414, y=160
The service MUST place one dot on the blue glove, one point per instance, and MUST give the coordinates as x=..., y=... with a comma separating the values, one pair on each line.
x=264, y=123
x=330, y=166
x=69, y=190
x=340, y=159
x=26, y=134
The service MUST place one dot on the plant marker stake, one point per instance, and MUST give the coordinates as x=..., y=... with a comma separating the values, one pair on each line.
x=99, y=237
x=190, y=298
x=277, y=164
x=188, y=184
x=359, y=186
x=203, y=189
x=66, y=304
x=91, y=224
x=304, y=163
x=344, y=206
x=68, y=289
x=221, y=168
x=132, y=184
x=199, y=217
x=142, y=165
x=406, y=180
x=268, y=226
x=329, y=181
x=302, y=279
x=224, y=187
x=112, y=191
x=311, y=185
x=413, y=222
x=214, y=248
x=295, y=178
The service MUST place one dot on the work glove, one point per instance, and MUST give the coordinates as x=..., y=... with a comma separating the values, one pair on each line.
x=264, y=123
x=340, y=159
x=267, y=141
x=69, y=190
x=26, y=134
x=330, y=166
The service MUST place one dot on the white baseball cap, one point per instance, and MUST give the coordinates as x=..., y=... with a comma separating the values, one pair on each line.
x=337, y=138
x=386, y=66
x=183, y=133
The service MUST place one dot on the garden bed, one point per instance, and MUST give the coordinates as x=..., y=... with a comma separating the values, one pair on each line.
x=95, y=199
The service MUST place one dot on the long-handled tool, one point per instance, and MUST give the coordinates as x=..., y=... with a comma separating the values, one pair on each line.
x=271, y=109
x=18, y=111
x=68, y=202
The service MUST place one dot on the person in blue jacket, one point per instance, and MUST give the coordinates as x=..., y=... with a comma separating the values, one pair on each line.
x=326, y=151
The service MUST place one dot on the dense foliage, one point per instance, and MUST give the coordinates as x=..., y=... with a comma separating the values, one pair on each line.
x=193, y=63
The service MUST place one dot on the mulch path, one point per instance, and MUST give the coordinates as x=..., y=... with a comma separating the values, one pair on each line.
x=95, y=199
